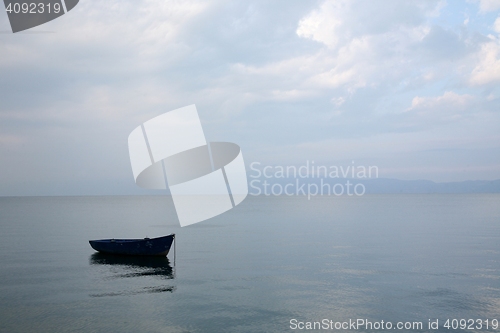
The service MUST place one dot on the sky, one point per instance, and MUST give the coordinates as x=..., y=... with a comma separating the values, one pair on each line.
x=411, y=87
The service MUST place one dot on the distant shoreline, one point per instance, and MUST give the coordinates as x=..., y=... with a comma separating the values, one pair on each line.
x=373, y=186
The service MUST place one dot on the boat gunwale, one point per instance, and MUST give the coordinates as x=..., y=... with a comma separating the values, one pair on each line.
x=127, y=240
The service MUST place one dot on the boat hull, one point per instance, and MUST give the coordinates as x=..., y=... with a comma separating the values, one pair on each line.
x=136, y=247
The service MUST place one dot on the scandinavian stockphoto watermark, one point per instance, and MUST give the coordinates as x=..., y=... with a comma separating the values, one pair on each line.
x=361, y=324
x=26, y=14
x=205, y=179
x=310, y=179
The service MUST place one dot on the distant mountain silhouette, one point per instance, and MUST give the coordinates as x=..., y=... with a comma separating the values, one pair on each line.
x=384, y=185
x=387, y=185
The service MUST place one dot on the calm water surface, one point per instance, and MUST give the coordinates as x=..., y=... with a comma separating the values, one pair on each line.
x=253, y=269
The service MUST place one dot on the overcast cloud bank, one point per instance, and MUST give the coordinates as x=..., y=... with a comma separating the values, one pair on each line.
x=409, y=86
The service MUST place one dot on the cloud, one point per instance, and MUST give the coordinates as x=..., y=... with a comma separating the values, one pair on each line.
x=449, y=100
x=394, y=45
x=496, y=25
x=336, y=22
x=271, y=76
x=489, y=5
x=323, y=25
x=487, y=69
x=427, y=112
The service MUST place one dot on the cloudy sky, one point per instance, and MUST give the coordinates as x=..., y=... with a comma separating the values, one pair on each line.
x=409, y=86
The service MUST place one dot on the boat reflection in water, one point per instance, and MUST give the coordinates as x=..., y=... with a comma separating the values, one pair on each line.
x=132, y=274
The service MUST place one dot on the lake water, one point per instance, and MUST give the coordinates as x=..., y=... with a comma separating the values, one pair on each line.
x=407, y=258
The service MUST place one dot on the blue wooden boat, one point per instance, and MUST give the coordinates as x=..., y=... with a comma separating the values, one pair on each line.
x=137, y=247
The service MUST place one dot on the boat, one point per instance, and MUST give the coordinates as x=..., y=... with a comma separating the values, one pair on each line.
x=136, y=247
